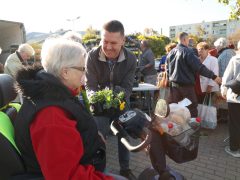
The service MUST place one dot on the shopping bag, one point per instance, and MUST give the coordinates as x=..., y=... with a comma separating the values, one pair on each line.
x=208, y=113
x=162, y=80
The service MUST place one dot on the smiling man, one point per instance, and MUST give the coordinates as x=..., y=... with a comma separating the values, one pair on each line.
x=112, y=65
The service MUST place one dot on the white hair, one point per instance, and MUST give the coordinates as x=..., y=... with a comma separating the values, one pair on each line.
x=220, y=43
x=26, y=48
x=58, y=53
x=74, y=36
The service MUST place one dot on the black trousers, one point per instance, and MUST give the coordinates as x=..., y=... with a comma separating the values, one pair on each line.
x=179, y=93
x=234, y=126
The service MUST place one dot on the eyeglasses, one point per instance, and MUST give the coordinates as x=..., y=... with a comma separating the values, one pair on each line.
x=78, y=68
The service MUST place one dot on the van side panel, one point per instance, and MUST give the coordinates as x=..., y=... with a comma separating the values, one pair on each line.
x=12, y=33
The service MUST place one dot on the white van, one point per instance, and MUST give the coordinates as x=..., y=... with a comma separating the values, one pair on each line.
x=12, y=34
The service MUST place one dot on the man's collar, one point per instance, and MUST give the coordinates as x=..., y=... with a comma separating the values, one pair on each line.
x=183, y=45
x=121, y=57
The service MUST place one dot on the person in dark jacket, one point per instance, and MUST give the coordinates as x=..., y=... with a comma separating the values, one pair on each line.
x=162, y=63
x=147, y=63
x=112, y=65
x=57, y=137
x=182, y=66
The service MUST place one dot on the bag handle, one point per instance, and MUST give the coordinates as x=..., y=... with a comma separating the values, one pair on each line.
x=207, y=101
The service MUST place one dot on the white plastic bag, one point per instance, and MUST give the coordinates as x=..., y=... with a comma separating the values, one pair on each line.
x=208, y=113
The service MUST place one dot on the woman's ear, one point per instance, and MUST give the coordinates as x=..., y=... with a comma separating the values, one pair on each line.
x=64, y=73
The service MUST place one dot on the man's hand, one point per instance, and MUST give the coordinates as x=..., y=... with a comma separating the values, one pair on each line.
x=224, y=97
x=218, y=80
x=209, y=89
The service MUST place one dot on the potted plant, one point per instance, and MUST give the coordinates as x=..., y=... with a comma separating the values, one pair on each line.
x=106, y=102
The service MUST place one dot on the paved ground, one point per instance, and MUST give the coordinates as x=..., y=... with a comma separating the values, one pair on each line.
x=212, y=162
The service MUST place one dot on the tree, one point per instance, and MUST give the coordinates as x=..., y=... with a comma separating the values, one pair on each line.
x=157, y=43
x=90, y=34
x=211, y=39
x=234, y=6
x=90, y=30
x=91, y=38
x=196, y=39
x=234, y=37
x=150, y=32
x=37, y=48
x=200, y=31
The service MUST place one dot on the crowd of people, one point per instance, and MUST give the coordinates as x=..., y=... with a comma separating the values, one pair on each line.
x=57, y=136
x=199, y=73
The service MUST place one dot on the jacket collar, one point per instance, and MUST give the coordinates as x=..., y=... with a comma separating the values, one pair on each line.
x=223, y=49
x=121, y=57
x=21, y=59
x=182, y=45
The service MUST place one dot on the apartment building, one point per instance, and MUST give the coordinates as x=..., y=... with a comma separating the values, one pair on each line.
x=222, y=28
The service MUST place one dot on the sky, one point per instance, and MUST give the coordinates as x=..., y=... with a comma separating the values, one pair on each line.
x=136, y=15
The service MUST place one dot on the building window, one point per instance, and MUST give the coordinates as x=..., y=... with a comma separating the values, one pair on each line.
x=222, y=31
x=215, y=24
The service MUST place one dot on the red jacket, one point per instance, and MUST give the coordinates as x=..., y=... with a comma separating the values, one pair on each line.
x=58, y=147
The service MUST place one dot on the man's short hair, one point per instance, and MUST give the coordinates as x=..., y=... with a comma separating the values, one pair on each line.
x=27, y=49
x=182, y=35
x=114, y=26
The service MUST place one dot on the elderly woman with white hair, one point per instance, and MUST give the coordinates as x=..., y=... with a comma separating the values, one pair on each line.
x=57, y=137
x=230, y=90
x=224, y=54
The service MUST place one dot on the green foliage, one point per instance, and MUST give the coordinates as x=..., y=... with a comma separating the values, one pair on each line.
x=157, y=43
x=88, y=37
x=107, y=98
x=197, y=39
x=37, y=48
x=91, y=36
x=234, y=5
